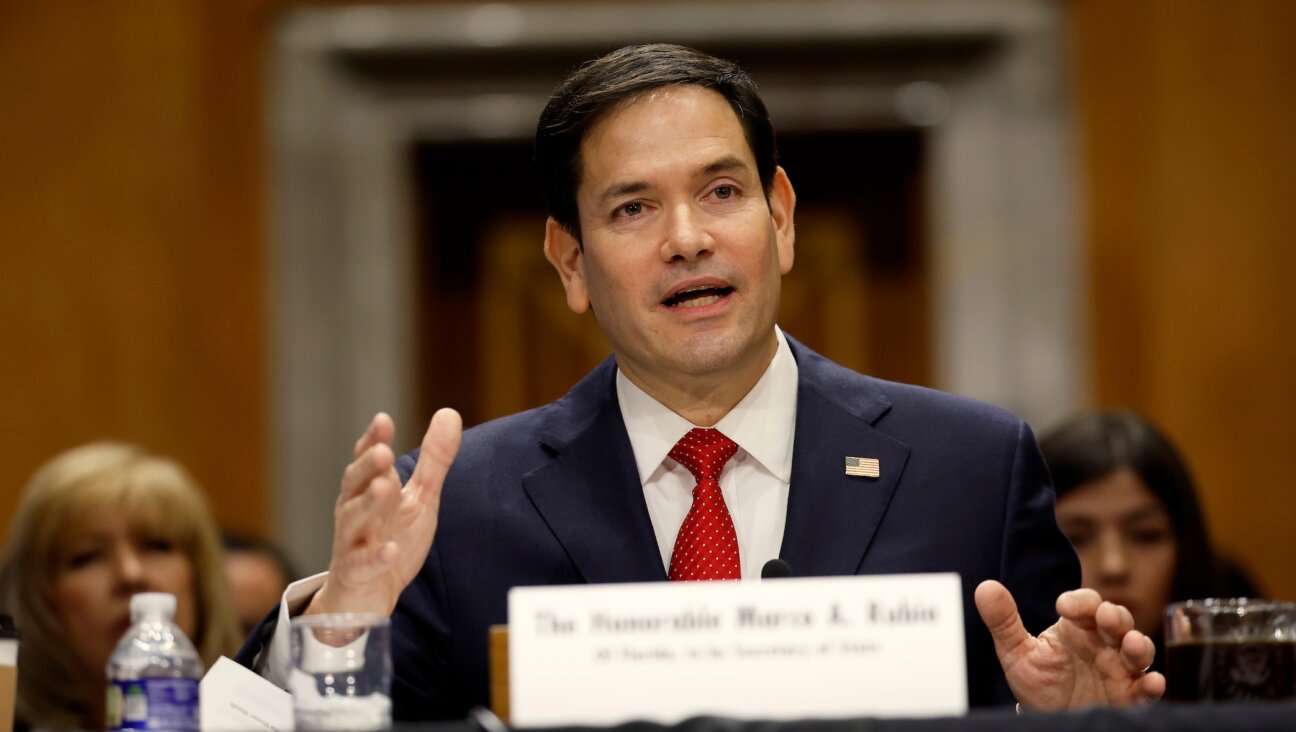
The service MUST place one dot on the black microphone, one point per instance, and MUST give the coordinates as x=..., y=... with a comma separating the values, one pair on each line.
x=775, y=568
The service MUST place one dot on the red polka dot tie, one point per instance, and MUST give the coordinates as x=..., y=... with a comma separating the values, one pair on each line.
x=707, y=546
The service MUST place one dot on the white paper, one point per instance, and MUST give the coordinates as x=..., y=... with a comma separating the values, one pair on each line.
x=787, y=649
x=234, y=698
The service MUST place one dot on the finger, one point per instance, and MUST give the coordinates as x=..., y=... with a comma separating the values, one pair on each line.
x=376, y=461
x=1137, y=651
x=440, y=445
x=1114, y=622
x=1079, y=606
x=359, y=520
x=999, y=612
x=381, y=429
x=1153, y=685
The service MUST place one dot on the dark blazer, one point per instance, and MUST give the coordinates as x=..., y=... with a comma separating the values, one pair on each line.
x=552, y=496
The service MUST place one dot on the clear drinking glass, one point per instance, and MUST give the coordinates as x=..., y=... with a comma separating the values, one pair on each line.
x=1230, y=650
x=341, y=672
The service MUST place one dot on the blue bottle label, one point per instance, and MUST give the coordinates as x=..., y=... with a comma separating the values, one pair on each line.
x=156, y=704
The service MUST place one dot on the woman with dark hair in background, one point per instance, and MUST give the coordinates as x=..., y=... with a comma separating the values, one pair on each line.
x=1128, y=504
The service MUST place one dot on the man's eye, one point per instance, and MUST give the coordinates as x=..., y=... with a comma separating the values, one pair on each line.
x=634, y=208
x=723, y=192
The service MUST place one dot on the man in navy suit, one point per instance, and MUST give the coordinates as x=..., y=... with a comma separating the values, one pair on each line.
x=672, y=223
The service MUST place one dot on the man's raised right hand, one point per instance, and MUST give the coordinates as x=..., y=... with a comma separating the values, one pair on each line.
x=382, y=531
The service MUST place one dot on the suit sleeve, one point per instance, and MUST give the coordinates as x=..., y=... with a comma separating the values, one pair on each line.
x=423, y=686
x=1036, y=562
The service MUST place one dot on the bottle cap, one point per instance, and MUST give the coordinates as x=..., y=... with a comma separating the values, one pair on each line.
x=7, y=628
x=147, y=604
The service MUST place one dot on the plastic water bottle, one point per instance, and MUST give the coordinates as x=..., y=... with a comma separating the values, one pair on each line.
x=154, y=672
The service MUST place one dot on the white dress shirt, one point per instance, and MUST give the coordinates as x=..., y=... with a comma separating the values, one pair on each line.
x=754, y=481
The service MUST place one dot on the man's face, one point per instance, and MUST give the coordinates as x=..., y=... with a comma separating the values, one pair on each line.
x=682, y=254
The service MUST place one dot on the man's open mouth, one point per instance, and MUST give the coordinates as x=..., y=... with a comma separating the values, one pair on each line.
x=696, y=297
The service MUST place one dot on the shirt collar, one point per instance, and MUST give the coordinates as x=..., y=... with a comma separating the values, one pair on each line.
x=760, y=423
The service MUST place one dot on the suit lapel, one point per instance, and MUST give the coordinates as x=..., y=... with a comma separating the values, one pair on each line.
x=589, y=494
x=832, y=517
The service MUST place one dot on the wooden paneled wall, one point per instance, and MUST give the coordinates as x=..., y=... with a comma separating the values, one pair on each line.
x=132, y=301
x=1187, y=116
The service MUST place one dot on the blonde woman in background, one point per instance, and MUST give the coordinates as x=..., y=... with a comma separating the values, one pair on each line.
x=96, y=525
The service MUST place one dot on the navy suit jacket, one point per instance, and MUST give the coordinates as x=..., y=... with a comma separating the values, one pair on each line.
x=552, y=496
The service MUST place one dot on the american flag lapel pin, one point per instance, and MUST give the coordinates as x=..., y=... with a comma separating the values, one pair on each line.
x=863, y=467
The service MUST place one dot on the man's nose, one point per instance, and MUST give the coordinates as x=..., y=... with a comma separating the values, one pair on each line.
x=687, y=238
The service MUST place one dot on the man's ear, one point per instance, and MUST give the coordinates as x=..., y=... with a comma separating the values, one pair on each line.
x=782, y=203
x=564, y=253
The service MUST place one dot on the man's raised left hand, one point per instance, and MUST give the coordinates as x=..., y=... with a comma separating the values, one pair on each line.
x=1091, y=656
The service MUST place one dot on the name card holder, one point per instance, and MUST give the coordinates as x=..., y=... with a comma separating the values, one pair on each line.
x=880, y=646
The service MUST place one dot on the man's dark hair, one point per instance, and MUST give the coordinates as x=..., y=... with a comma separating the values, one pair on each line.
x=600, y=86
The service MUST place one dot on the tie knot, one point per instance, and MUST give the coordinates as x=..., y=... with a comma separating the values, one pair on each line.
x=704, y=452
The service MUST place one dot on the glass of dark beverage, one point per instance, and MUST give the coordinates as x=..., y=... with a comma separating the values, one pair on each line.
x=1230, y=650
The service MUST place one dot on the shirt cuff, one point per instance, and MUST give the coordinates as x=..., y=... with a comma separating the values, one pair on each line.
x=276, y=657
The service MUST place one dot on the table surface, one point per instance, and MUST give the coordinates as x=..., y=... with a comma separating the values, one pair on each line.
x=1160, y=717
